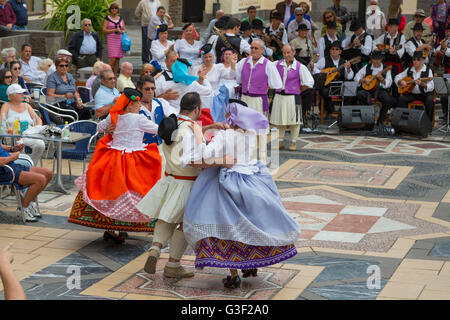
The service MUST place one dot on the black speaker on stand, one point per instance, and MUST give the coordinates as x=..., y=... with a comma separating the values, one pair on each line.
x=411, y=121
x=357, y=117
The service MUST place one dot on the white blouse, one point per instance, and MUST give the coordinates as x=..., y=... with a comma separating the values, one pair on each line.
x=157, y=49
x=129, y=132
x=188, y=52
x=218, y=75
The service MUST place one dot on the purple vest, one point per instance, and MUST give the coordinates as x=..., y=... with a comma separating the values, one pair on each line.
x=259, y=80
x=292, y=85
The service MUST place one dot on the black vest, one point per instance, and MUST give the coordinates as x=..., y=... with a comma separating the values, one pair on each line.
x=330, y=64
x=234, y=41
x=391, y=57
x=328, y=43
x=166, y=76
x=273, y=43
x=369, y=70
x=359, y=53
x=423, y=74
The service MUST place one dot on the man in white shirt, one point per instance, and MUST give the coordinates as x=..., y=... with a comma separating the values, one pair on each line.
x=423, y=90
x=293, y=25
x=416, y=43
x=359, y=44
x=29, y=63
x=381, y=92
x=155, y=21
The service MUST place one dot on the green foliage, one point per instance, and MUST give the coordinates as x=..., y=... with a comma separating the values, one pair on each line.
x=96, y=10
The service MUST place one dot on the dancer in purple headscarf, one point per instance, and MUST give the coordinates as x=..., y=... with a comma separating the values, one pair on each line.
x=234, y=217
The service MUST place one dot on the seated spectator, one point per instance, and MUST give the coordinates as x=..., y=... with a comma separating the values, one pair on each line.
x=5, y=82
x=12, y=288
x=106, y=95
x=8, y=55
x=16, y=108
x=29, y=63
x=63, y=53
x=7, y=16
x=62, y=84
x=97, y=81
x=43, y=71
x=34, y=177
x=147, y=69
x=124, y=81
x=95, y=72
x=15, y=68
x=21, y=12
x=85, y=46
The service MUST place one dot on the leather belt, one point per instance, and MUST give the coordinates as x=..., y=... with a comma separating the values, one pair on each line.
x=179, y=177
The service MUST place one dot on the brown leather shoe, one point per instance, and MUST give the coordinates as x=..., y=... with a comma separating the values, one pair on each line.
x=150, y=265
x=178, y=272
x=293, y=146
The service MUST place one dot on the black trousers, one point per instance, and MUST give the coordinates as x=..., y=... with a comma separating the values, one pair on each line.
x=444, y=103
x=146, y=44
x=325, y=94
x=426, y=98
x=307, y=97
x=364, y=98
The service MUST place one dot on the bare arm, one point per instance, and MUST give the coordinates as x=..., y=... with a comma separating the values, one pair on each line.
x=12, y=288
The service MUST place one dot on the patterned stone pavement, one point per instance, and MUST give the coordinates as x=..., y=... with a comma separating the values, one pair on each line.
x=375, y=218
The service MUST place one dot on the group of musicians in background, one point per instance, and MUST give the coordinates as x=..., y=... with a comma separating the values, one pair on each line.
x=383, y=66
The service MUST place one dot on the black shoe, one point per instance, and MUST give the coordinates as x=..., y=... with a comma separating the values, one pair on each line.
x=232, y=283
x=249, y=273
x=111, y=236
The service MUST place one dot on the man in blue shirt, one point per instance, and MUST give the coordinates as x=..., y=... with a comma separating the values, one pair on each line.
x=85, y=46
x=21, y=11
x=106, y=95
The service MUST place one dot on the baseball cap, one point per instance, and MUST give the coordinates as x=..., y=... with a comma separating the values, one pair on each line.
x=15, y=88
x=63, y=52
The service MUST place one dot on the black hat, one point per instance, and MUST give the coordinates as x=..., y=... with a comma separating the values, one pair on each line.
x=393, y=21
x=222, y=22
x=131, y=94
x=302, y=26
x=257, y=24
x=166, y=127
x=206, y=48
x=336, y=44
x=331, y=25
x=187, y=25
x=355, y=25
x=277, y=16
x=376, y=54
x=183, y=60
x=237, y=101
x=418, y=54
x=418, y=26
x=245, y=25
x=163, y=27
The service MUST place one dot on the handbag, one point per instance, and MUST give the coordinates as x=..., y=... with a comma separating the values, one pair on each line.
x=126, y=42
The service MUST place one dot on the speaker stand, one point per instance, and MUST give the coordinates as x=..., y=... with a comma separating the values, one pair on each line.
x=446, y=128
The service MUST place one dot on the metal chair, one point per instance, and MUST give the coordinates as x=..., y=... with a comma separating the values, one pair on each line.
x=82, y=147
x=32, y=85
x=17, y=188
x=85, y=93
x=44, y=91
x=63, y=113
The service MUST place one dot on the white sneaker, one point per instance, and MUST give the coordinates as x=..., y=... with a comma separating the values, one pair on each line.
x=34, y=210
x=28, y=214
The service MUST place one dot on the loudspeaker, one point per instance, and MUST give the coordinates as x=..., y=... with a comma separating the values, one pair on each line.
x=357, y=117
x=193, y=10
x=413, y=121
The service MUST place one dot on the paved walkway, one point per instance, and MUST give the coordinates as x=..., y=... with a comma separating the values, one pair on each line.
x=375, y=217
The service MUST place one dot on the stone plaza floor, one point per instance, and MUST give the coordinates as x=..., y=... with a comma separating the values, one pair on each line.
x=374, y=213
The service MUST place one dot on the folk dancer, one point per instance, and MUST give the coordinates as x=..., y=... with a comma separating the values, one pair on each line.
x=334, y=59
x=382, y=92
x=256, y=75
x=254, y=226
x=286, y=113
x=167, y=202
x=423, y=90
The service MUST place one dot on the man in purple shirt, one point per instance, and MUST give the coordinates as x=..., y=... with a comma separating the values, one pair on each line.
x=7, y=15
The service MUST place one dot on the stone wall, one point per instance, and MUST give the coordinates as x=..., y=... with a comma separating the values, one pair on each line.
x=176, y=11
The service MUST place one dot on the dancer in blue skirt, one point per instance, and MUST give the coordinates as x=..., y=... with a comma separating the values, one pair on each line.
x=234, y=217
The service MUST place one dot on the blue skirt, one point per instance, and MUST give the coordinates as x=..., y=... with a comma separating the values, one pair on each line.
x=245, y=208
x=6, y=175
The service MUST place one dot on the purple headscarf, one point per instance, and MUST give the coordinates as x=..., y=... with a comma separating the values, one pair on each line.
x=244, y=117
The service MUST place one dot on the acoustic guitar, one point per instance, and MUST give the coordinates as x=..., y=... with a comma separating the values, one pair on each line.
x=410, y=84
x=333, y=72
x=374, y=82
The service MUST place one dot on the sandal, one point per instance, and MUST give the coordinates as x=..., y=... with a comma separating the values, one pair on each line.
x=249, y=272
x=232, y=283
x=108, y=235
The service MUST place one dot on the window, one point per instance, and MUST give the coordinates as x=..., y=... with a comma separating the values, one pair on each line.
x=35, y=6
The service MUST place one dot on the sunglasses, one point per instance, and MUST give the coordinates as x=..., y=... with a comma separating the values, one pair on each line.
x=8, y=77
x=87, y=25
x=63, y=65
x=114, y=8
x=149, y=88
x=17, y=68
x=329, y=17
x=113, y=78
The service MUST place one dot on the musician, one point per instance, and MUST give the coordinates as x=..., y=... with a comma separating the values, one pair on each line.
x=415, y=44
x=258, y=33
x=231, y=34
x=246, y=31
x=221, y=25
x=334, y=59
x=382, y=92
x=286, y=113
x=304, y=47
x=359, y=44
x=277, y=34
x=444, y=50
x=423, y=91
x=329, y=38
x=389, y=42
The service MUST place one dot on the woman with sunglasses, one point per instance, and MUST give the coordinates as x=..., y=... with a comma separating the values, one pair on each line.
x=330, y=16
x=61, y=84
x=5, y=82
x=15, y=68
x=114, y=27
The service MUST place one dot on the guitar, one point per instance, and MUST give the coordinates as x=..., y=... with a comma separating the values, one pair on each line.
x=374, y=82
x=228, y=44
x=333, y=72
x=410, y=84
x=384, y=48
x=439, y=55
x=426, y=50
